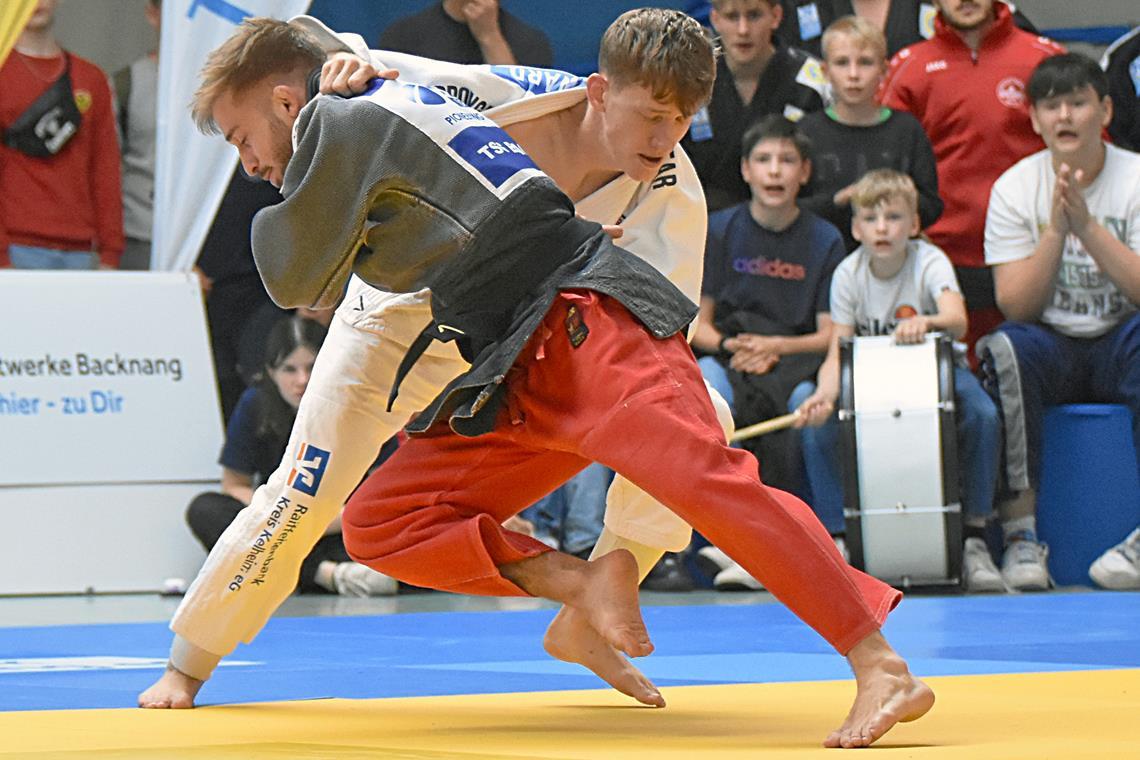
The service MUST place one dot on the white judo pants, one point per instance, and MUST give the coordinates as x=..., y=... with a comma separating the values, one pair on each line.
x=340, y=426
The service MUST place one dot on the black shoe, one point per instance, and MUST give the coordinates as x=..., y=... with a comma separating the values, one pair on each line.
x=669, y=574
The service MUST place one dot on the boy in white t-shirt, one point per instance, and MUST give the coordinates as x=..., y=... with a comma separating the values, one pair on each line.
x=896, y=284
x=1063, y=234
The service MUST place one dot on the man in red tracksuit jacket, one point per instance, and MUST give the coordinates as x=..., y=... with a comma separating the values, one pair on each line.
x=966, y=86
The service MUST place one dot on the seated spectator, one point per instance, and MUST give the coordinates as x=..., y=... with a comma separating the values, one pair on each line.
x=903, y=22
x=756, y=76
x=895, y=284
x=764, y=312
x=256, y=438
x=468, y=31
x=856, y=134
x=1062, y=235
x=1121, y=63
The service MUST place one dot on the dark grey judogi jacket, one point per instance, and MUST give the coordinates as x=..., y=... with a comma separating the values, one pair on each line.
x=408, y=188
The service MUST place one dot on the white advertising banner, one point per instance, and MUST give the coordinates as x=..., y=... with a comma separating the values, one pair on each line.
x=105, y=378
x=192, y=169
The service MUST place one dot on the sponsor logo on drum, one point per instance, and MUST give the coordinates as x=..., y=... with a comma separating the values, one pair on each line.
x=308, y=469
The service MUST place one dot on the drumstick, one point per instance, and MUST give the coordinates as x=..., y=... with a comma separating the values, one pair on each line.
x=767, y=426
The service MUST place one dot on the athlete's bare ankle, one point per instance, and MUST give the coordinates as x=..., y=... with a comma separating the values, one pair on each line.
x=873, y=653
x=550, y=575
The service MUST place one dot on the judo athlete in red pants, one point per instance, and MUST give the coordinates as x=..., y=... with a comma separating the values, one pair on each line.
x=594, y=385
x=575, y=348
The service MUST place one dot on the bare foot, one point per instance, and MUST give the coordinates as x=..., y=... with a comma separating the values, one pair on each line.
x=608, y=600
x=571, y=638
x=886, y=694
x=604, y=591
x=174, y=690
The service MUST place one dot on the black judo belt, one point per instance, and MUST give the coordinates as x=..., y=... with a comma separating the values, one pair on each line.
x=478, y=327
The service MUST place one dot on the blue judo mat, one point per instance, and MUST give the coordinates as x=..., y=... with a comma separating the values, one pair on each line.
x=438, y=653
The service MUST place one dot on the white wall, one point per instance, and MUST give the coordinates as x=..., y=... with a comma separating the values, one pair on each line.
x=112, y=33
x=1067, y=13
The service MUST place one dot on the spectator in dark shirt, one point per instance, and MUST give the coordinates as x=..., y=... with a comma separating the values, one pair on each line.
x=468, y=31
x=755, y=77
x=856, y=134
x=256, y=438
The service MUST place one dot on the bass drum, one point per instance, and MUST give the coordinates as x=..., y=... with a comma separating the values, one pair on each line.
x=900, y=459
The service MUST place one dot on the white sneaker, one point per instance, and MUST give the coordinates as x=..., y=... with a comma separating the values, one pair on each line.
x=1119, y=567
x=711, y=560
x=1023, y=566
x=354, y=579
x=736, y=578
x=978, y=567
x=841, y=545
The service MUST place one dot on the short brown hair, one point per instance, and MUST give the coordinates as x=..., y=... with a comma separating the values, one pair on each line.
x=882, y=185
x=665, y=50
x=862, y=32
x=260, y=48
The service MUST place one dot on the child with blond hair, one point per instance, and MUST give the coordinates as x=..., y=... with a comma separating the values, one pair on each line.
x=856, y=134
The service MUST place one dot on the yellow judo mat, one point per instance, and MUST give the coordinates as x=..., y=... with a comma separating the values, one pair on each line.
x=1083, y=714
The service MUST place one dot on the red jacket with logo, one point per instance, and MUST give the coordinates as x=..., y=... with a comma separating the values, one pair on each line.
x=73, y=200
x=974, y=108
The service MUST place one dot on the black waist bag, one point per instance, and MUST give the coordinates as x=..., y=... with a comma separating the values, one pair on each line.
x=49, y=122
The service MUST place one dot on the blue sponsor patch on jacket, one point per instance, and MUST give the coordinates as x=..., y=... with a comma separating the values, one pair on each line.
x=492, y=152
x=538, y=81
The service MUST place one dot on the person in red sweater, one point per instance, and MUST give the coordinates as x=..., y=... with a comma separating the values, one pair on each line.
x=966, y=86
x=60, y=198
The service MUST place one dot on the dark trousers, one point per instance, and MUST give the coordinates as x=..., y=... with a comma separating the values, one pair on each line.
x=1027, y=367
x=209, y=514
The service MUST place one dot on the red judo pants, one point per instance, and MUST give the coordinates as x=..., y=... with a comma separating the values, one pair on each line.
x=431, y=514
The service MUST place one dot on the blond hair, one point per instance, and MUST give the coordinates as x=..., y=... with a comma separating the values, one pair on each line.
x=664, y=50
x=260, y=48
x=860, y=31
x=881, y=186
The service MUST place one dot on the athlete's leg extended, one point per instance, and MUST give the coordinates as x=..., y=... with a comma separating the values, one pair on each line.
x=340, y=426
x=651, y=421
